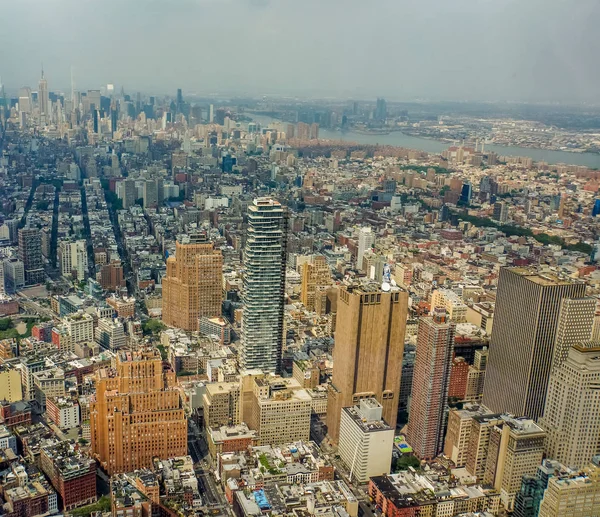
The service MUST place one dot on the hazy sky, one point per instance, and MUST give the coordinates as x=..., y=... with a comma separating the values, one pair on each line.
x=532, y=50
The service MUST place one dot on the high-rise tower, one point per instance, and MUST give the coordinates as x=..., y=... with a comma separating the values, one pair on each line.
x=30, y=253
x=431, y=378
x=264, y=286
x=193, y=285
x=44, y=100
x=368, y=351
x=572, y=407
x=522, y=346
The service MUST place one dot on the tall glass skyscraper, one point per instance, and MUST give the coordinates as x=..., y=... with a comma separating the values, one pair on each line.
x=264, y=286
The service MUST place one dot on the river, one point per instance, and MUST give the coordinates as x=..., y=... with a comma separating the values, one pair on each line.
x=399, y=139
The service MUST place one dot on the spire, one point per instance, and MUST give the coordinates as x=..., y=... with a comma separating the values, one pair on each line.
x=42, y=69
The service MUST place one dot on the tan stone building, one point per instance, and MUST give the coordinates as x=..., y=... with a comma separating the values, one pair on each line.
x=221, y=404
x=193, y=285
x=281, y=411
x=136, y=414
x=315, y=275
x=367, y=357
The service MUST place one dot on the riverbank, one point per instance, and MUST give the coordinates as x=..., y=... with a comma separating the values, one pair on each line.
x=400, y=139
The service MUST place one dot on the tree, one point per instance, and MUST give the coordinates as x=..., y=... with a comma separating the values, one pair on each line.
x=404, y=462
x=5, y=324
x=153, y=326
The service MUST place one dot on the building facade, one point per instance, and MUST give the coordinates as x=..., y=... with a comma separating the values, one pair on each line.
x=368, y=351
x=192, y=288
x=522, y=344
x=264, y=286
x=136, y=414
x=431, y=380
x=571, y=417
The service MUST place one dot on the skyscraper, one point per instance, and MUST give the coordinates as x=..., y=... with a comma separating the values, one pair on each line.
x=44, y=100
x=264, y=286
x=136, y=414
x=522, y=344
x=315, y=274
x=366, y=239
x=431, y=378
x=368, y=351
x=30, y=253
x=572, y=407
x=193, y=285
x=381, y=110
x=575, y=326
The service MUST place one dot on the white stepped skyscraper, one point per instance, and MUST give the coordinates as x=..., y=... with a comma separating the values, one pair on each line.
x=264, y=286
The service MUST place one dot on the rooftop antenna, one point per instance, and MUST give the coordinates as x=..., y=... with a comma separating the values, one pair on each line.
x=72, y=86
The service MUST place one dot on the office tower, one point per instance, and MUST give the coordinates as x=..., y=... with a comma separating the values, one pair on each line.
x=596, y=208
x=516, y=449
x=136, y=414
x=280, y=412
x=315, y=275
x=114, y=117
x=574, y=496
x=264, y=286
x=368, y=351
x=73, y=259
x=571, y=417
x=575, y=326
x=150, y=194
x=381, y=110
x=522, y=344
x=129, y=193
x=466, y=192
x=44, y=100
x=366, y=441
x=193, y=285
x=431, y=378
x=220, y=116
x=96, y=120
x=366, y=239
x=179, y=99
x=30, y=253
x=500, y=212
x=528, y=499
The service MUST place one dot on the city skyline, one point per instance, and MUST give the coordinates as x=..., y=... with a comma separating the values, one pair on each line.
x=533, y=66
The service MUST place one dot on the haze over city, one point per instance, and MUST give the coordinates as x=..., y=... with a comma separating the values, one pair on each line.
x=515, y=50
x=274, y=258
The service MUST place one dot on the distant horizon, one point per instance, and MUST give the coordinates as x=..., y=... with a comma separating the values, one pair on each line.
x=11, y=89
x=525, y=51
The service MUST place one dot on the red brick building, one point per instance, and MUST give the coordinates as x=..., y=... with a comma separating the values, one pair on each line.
x=17, y=413
x=388, y=500
x=458, y=378
x=72, y=475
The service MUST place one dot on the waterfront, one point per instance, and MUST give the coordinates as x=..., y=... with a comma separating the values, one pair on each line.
x=399, y=139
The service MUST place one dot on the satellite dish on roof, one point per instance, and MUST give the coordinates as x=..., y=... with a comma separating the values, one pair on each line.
x=385, y=287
